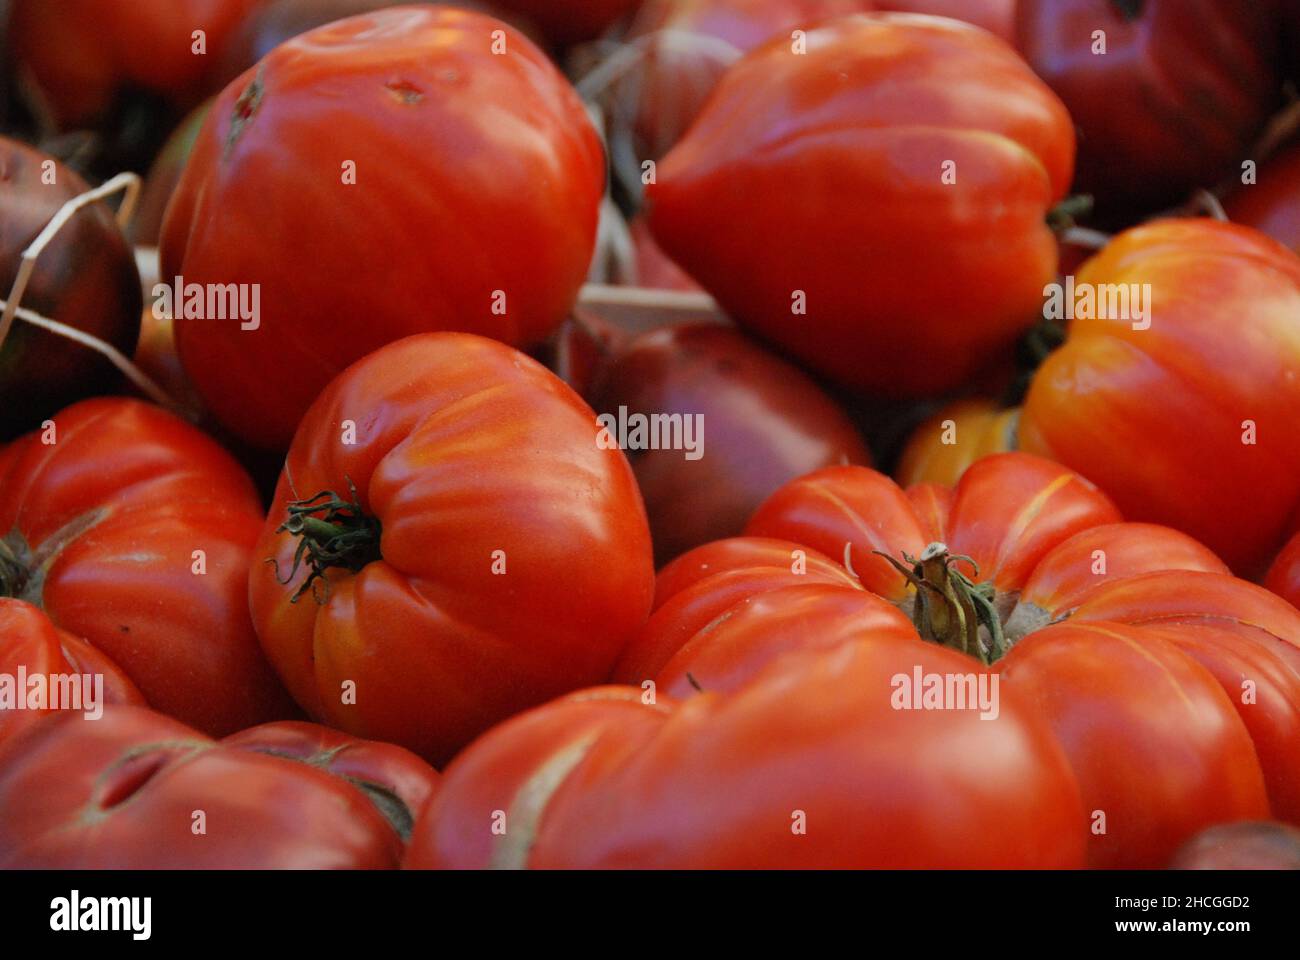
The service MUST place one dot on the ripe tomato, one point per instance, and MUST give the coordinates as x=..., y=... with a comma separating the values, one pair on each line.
x=912, y=157
x=1272, y=203
x=373, y=136
x=689, y=44
x=1045, y=548
x=1153, y=738
x=805, y=763
x=491, y=557
x=755, y=423
x=1182, y=88
x=137, y=790
x=1284, y=575
x=940, y=450
x=1187, y=420
x=1241, y=846
x=84, y=53
x=86, y=278
x=29, y=642
x=396, y=781
x=133, y=531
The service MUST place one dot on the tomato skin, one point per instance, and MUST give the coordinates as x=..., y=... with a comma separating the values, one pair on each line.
x=1284, y=575
x=715, y=780
x=86, y=278
x=1272, y=204
x=501, y=200
x=689, y=44
x=397, y=781
x=998, y=17
x=761, y=421
x=1152, y=737
x=1241, y=846
x=118, y=505
x=142, y=776
x=28, y=639
x=1007, y=512
x=82, y=53
x=1116, y=403
x=467, y=452
x=979, y=427
x=1182, y=90
x=844, y=148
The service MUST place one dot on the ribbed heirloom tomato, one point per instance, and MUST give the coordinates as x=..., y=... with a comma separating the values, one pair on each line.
x=1180, y=635
x=1190, y=421
x=1185, y=416
x=449, y=546
x=875, y=205
x=133, y=531
x=137, y=790
x=803, y=764
x=380, y=176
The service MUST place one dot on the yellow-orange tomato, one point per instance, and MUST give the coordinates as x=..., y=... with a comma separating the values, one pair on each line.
x=941, y=449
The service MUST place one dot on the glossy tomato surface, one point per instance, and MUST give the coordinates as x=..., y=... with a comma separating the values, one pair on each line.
x=31, y=645
x=85, y=277
x=941, y=448
x=687, y=45
x=806, y=763
x=755, y=423
x=137, y=790
x=134, y=531
x=1151, y=735
x=508, y=558
x=84, y=53
x=911, y=157
x=1179, y=93
x=420, y=182
x=1185, y=417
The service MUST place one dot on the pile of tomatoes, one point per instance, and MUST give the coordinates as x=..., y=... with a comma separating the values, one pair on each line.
x=324, y=540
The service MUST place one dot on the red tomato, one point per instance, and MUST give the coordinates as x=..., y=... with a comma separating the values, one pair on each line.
x=1178, y=95
x=477, y=183
x=494, y=557
x=1272, y=203
x=31, y=643
x=755, y=422
x=395, y=780
x=566, y=23
x=1151, y=735
x=806, y=763
x=83, y=53
x=1284, y=575
x=654, y=269
x=86, y=278
x=809, y=179
x=137, y=790
x=1046, y=548
x=1187, y=421
x=687, y=45
x=1241, y=846
x=133, y=530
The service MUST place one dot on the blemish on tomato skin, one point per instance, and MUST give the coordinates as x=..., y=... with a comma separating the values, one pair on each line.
x=404, y=91
x=246, y=106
